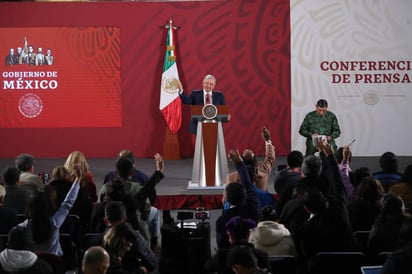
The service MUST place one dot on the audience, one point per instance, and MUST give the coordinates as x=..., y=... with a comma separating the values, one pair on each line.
x=388, y=175
x=25, y=163
x=238, y=231
x=328, y=228
x=16, y=197
x=242, y=199
x=258, y=171
x=404, y=188
x=117, y=241
x=82, y=207
x=287, y=178
x=44, y=220
x=137, y=199
x=115, y=213
x=363, y=211
x=18, y=256
x=386, y=230
x=242, y=261
x=321, y=204
x=344, y=158
x=400, y=260
x=136, y=175
x=96, y=260
x=270, y=236
x=75, y=160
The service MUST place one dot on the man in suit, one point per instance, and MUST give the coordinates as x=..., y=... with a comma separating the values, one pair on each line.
x=202, y=97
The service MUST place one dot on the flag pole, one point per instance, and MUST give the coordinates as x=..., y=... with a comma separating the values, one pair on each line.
x=171, y=144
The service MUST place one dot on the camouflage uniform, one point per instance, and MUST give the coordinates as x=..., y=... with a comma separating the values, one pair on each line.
x=323, y=125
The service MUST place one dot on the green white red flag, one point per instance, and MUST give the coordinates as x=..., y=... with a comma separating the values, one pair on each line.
x=170, y=104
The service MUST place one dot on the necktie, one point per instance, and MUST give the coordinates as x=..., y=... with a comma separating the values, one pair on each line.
x=208, y=102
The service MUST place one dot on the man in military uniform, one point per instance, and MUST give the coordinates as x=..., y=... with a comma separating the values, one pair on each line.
x=317, y=123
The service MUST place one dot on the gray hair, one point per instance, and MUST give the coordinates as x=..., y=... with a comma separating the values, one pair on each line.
x=210, y=76
x=312, y=166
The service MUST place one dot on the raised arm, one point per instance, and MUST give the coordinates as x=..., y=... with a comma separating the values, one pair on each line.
x=60, y=216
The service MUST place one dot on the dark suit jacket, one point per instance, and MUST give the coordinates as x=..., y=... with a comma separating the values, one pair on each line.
x=197, y=98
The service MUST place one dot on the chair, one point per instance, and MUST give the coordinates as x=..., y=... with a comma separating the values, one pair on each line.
x=362, y=237
x=91, y=239
x=382, y=257
x=73, y=227
x=21, y=218
x=71, y=254
x=339, y=262
x=283, y=264
x=4, y=238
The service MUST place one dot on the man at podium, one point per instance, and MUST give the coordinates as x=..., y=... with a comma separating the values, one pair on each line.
x=206, y=96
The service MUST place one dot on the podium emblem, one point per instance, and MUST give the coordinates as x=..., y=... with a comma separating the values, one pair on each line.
x=209, y=112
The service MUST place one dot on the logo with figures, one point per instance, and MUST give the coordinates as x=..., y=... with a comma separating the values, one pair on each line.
x=170, y=84
x=30, y=105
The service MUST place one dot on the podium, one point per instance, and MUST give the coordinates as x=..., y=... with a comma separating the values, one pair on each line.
x=210, y=166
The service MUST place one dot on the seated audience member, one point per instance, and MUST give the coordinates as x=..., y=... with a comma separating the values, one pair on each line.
x=82, y=207
x=259, y=171
x=242, y=199
x=18, y=257
x=16, y=197
x=136, y=175
x=328, y=228
x=117, y=241
x=404, y=188
x=287, y=178
x=115, y=213
x=270, y=236
x=8, y=212
x=400, y=260
x=238, y=232
x=242, y=261
x=358, y=174
x=144, y=210
x=389, y=174
x=25, y=163
x=363, y=211
x=386, y=230
x=45, y=221
x=96, y=260
x=78, y=160
x=344, y=158
x=294, y=214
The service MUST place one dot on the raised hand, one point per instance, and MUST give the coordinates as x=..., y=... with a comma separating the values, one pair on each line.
x=234, y=155
x=159, y=162
x=265, y=134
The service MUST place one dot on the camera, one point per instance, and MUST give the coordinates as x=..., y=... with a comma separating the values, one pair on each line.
x=202, y=214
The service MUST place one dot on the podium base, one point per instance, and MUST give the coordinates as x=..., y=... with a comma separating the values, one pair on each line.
x=197, y=186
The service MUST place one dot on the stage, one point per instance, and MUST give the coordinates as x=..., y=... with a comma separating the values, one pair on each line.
x=173, y=192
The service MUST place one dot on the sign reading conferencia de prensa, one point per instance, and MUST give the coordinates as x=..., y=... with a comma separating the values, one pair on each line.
x=358, y=56
x=60, y=77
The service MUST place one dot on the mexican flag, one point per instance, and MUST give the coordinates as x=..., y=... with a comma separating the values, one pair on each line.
x=170, y=104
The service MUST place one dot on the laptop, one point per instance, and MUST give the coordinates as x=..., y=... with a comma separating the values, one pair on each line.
x=374, y=269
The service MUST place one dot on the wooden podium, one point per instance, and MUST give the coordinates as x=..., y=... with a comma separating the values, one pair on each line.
x=210, y=166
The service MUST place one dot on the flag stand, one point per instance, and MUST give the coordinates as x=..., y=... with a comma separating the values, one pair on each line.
x=171, y=146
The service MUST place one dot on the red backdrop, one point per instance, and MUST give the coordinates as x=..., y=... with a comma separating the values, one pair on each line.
x=246, y=45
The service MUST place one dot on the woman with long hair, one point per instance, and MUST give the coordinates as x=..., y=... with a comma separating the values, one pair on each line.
x=77, y=159
x=44, y=220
